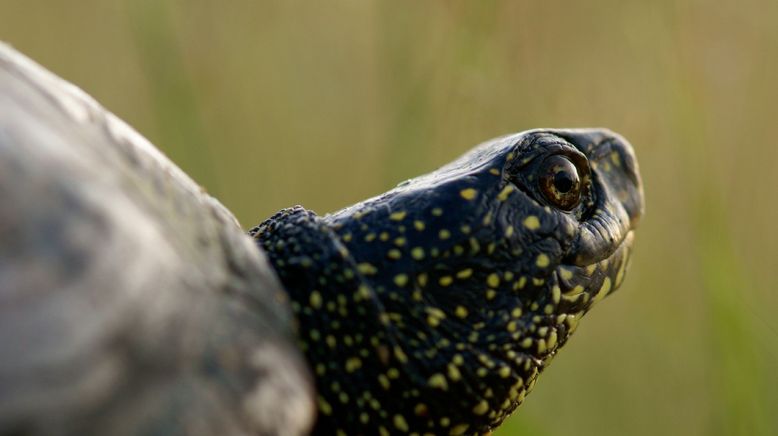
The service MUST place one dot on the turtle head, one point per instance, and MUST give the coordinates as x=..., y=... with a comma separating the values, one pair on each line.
x=485, y=266
x=448, y=295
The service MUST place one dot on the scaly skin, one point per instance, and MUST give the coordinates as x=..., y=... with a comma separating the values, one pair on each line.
x=434, y=307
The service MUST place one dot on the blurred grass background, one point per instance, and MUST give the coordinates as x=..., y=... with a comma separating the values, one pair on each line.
x=270, y=104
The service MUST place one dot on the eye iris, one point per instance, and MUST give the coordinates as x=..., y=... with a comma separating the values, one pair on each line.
x=560, y=182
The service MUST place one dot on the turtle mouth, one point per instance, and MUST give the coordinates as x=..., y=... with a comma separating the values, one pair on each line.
x=583, y=286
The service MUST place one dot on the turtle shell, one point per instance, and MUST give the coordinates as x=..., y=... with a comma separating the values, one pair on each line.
x=131, y=302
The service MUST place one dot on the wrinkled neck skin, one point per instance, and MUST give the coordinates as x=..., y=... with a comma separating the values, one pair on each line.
x=434, y=307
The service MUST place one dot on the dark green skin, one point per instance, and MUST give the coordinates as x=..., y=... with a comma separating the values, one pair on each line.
x=434, y=307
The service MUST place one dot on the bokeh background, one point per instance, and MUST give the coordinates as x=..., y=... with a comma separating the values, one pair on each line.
x=270, y=104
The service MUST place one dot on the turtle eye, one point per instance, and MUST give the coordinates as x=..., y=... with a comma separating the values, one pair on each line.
x=560, y=182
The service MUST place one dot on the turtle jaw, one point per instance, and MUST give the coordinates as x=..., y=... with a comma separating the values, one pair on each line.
x=583, y=286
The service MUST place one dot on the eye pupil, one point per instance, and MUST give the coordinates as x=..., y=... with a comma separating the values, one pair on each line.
x=563, y=181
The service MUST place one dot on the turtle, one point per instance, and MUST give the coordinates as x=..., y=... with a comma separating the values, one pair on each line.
x=133, y=303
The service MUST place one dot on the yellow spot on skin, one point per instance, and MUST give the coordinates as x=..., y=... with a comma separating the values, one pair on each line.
x=511, y=327
x=364, y=418
x=509, y=231
x=461, y=312
x=565, y=274
x=324, y=406
x=353, y=364
x=401, y=279
x=444, y=422
x=490, y=294
x=384, y=236
x=482, y=372
x=506, y=191
x=504, y=372
x=468, y=193
x=487, y=219
x=399, y=241
x=541, y=346
x=400, y=355
x=437, y=211
x=526, y=343
x=383, y=431
x=453, y=373
x=422, y=279
x=417, y=253
x=434, y=312
x=384, y=380
x=347, y=237
x=494, y=171
x=620, y=273
x=616, y=158
x=532, y=222
x=393, y=373
x=331, y=341
x=516, y=312
x=418, y=225
x=394, y=253
x=397, y=216
x=421, y=409
x=604, y=289
x=481, y=408
x=465, y=229
x=493, y=280
x=576, y=290
x=366, y=268
x=552, y=339
x=444, y=234
x=465, y=273
x=438, y=381
x=315, y=299
x=370, y=237
x=400, y=424
x=458, y=359
x=556, y=294
x=445, y=280
x=542, y=261
x=363, y=293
